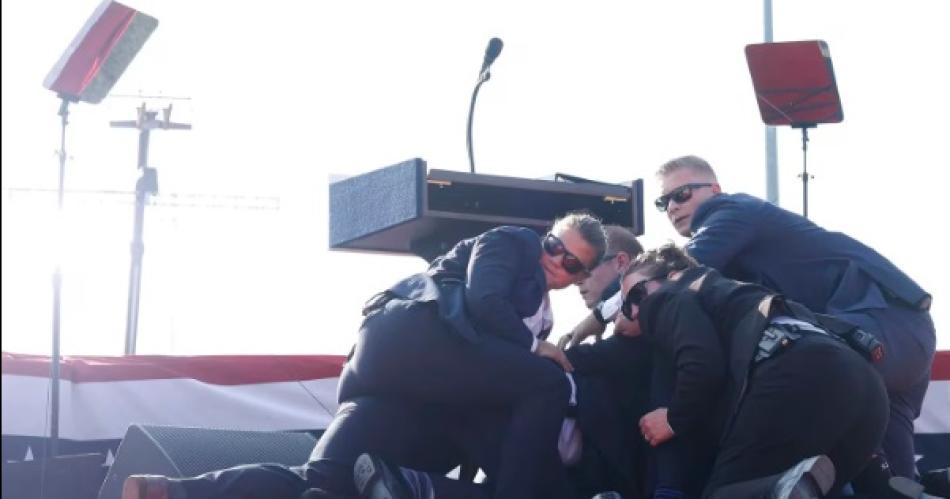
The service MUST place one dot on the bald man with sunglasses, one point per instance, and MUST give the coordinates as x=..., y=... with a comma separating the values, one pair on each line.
x=749, y=239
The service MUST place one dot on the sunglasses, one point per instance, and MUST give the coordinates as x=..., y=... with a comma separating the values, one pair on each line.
x=681, y=195
x=635, y=296
x=554, y=246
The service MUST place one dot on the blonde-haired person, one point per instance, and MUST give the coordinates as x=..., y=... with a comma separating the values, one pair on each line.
x=749, y=239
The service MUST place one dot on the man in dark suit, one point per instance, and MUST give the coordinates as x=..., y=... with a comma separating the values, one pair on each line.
x=437, y=353
x=470, y=333
x=751, y=240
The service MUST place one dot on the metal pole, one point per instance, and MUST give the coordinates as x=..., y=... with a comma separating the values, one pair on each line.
x=54, y=373
x=771, y=146
x=146, y=185
x=471, y=114
x=805, y=176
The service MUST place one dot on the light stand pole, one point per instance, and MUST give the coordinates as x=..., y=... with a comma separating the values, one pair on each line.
x=85, y=72
x=55, y=361
x=804, y=175
x=146, y=185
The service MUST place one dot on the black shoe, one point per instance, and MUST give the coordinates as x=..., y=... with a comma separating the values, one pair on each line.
x=375, y=479
x=937, y=482
x=809, y=479
x=608, y=495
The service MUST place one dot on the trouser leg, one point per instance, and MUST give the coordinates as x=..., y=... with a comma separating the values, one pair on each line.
x=817, y=397
x=407, y=352
x=898, y=444
x=411, y=436
x=909, y=343
x=254, y=481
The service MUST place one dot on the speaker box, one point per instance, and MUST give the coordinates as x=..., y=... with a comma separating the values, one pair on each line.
x=184, y=452
x=74, y=477
x=407, y=209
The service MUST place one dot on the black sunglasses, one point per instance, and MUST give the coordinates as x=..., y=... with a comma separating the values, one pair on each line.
x=681, y=195
x=635, y=296
x=554, y=246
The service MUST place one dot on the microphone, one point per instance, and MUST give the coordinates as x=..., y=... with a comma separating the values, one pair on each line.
x=491, y=53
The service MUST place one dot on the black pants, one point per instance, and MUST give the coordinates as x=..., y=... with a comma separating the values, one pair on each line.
x=405, y=352
x=816, y=397
x=909, y=342
x=414, y=393
x=419, y=437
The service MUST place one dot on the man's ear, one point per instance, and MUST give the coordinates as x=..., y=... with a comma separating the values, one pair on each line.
x=716, y=188
x=622, y=259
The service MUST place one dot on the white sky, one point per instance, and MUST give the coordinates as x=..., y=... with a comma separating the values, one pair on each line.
x=283, y=94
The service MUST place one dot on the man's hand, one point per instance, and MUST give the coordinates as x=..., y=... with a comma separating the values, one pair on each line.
x=565, y=340
x=589, y=326
x=655, y=427
x=550, y=351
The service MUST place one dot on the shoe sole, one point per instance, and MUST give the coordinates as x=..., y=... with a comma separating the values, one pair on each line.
x=822, y=471
x=364, y=473
x=814, y=476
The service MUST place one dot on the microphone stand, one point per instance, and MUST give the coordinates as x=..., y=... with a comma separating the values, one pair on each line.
x=482, y=78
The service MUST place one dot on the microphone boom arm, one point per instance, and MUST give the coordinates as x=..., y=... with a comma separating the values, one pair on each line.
x=485, y=76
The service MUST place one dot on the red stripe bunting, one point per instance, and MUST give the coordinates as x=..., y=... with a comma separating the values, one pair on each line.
x=214, y=369
x=226, y=369
x=941, y=366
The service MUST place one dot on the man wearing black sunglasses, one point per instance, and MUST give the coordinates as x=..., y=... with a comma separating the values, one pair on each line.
x=612, y=378
x=751, y=240
x=470, y=335
x=449, y=364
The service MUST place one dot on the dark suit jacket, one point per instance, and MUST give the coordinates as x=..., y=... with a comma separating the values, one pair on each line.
x=751, y=240
x=613, y=382
x=484, y=285
x=710, y=327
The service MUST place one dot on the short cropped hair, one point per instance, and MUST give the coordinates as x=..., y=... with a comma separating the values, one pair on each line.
x=694, y=163
x=620, y=238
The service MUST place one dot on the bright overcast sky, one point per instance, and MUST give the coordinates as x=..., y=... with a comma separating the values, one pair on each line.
x=284, y=94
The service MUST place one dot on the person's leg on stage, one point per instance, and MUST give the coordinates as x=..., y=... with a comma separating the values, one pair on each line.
x=909, y=343
x=407, y=353
x=816, y=398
